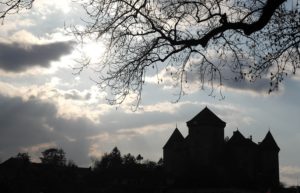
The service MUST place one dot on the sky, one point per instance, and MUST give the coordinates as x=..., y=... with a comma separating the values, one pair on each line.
x=44, y=103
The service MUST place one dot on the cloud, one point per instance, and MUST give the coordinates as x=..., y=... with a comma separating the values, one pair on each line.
x=191, y=81
x=38, y=117
x=198, y=76
x=70, y=103
x=55, y=5
x=32, y=120
x=76, y=95
x=33, y=125
x=289, y=174
x=17, y=57
x=257, y=88
x=24, y=123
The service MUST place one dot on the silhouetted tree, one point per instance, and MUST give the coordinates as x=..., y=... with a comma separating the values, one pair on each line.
x=13, y=6
x=110, y=160
x=72, y=164
x=129, y=160
x=242, y=39
x=139, y=158
x=54, y=156
x=150, y=164
x=24, y=157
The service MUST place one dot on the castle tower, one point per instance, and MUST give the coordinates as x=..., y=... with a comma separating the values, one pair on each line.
x=173, y=153
x=241, y=159
x=269, y=163
x=205, y=138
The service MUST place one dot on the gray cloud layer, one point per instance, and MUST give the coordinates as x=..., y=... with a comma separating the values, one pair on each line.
x=33, y=122
x=29, y=123
x=16, y=57
x=259, y=86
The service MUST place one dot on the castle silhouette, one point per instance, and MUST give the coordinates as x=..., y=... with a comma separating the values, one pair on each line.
x=206, y=157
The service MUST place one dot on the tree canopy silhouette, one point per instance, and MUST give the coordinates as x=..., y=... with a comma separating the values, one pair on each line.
x=25, y=157
x=54, y=156
x=110, y=160
x=115, y=161
x=250, y=39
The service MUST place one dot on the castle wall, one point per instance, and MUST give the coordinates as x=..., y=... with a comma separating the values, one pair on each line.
x=205, y=144
x=269, y=168
x=175, y=160
x=242, y=164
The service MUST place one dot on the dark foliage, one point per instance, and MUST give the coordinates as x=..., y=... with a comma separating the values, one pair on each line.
x=23, y=157
x=54, y=156
x=112, y=173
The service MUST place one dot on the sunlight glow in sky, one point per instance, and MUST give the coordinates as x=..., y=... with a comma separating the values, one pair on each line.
x=43, y=104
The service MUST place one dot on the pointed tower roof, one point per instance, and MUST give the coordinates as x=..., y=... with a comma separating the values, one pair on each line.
x=238, y=139
x=206, y=116
x=269, y=143
x=175, y=139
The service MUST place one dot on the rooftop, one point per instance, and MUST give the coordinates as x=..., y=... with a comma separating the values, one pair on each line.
x=206, y=116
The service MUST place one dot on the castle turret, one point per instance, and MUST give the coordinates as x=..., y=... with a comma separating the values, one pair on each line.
x=269, y=163
x=173, y=152
x=241, y=157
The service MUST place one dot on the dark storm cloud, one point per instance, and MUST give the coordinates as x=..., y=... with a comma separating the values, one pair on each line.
x=33, y=122
x=259, y=86
x=22, y=122
x=16, y=57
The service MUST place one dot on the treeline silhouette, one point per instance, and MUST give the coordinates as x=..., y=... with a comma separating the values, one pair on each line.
x=113, y=172
x=127, y=173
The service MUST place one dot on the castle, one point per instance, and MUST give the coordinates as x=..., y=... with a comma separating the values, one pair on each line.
x=206, y=157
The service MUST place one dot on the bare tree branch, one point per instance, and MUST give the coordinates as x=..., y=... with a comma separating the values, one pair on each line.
x=8, y=7
x=251, y=38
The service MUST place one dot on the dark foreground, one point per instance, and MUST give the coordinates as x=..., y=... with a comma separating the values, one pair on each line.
x=20, y=177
